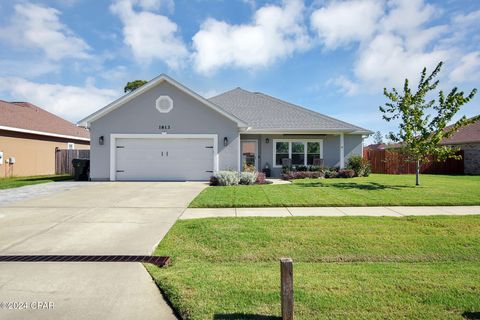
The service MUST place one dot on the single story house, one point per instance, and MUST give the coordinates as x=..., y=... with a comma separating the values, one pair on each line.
x=30, y=136
x=165, y=131
x=468, y=140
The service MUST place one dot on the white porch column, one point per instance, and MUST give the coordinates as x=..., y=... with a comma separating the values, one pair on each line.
x=342, y=154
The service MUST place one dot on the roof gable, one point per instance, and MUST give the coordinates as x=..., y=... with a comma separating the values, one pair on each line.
x=263, y=112
x=149, y=85
x=29, y=118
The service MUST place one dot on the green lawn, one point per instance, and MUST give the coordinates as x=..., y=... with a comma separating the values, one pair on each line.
x=376, y=190
x=15, y=182
x=348, y=267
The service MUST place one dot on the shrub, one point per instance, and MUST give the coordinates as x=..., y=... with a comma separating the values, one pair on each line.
x=314, y=168
x=301, y=168
x=302, y=175
x=248, y=178
x=261, y=178
x=213, y=181
x=347, y=173
x=359, y=165
x=331, y=173
x=286, y=169
x=227, y=178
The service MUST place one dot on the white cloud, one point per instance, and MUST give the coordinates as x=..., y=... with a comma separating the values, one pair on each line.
x=386, y=62
x=69, y=102
x=346, y=85
x=393, y=40
x=468, y=69
x=340, y=23
x=149, y=35
x=39, y=27
x=274, y=33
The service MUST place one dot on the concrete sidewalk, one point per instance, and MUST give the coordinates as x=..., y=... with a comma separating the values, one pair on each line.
x=193, y=213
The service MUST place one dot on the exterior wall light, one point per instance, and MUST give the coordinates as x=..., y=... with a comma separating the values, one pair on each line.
x=101, y=140
x=267, y=141
x=225, y=141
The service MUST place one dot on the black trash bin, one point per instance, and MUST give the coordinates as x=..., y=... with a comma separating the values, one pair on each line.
x=81, y=168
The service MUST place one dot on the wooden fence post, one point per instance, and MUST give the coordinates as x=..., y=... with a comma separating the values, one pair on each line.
x=286, y=287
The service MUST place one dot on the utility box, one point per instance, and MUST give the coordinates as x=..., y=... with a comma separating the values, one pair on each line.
x=11, y=160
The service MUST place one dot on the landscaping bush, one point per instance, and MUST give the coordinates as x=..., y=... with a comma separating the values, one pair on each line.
x=213, y=181
x=227, y=178
x=331, y=173
x=302, y=175
x=301, y=168
x=347, y=173
x=261, y=178
x=248, y=178
x=359, y=165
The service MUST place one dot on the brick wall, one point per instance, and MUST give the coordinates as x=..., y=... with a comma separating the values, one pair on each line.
x=472, y=157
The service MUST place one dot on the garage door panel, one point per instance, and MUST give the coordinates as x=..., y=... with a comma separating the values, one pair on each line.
x=164, y=159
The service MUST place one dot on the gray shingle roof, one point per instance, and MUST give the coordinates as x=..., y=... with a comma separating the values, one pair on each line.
x=261, y=111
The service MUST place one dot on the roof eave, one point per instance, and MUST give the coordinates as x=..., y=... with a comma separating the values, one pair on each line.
x=308, y=130
x=44, y=133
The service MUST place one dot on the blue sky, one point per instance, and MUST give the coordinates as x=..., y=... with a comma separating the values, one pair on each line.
x=72, y=57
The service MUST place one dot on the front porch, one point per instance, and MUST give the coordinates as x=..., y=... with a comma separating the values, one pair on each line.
x=267, y=150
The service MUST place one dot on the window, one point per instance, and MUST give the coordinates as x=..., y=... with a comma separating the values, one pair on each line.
x=298, y=153
x=164, y=104
x=301, y=152
x=313, y=152
x=70, y=146
x=281, y=152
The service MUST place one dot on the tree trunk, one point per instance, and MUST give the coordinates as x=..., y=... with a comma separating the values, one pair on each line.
x=417, y=174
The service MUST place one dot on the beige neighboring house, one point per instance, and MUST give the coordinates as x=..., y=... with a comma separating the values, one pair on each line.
x=30, y=136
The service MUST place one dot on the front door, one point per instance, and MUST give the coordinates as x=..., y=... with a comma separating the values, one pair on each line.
x=249, y=154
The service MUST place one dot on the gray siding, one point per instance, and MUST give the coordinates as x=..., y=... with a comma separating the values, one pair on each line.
x=331, y=148
x=139, y=116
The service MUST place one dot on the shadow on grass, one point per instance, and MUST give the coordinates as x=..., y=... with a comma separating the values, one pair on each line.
x=471, y=315
x=244, y=316
x=46, y=178
x=351, y=185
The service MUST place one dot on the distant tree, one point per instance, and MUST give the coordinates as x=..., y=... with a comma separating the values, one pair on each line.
x=378, y=138
x=423, y=123
x=133, y=85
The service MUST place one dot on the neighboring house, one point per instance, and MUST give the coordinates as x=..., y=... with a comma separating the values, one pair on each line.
x=468, y=140
x=29, y=137
x=165, y=131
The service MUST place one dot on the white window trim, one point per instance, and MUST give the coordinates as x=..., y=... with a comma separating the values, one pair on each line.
x=115, y=136
x=290, y=149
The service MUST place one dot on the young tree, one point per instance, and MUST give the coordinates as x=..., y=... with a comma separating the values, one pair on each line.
x=423, y=122
x=378, y=138
x=132, y=85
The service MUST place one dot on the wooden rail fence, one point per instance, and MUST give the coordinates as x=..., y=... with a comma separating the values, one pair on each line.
x=391, y=162
x=63, y=159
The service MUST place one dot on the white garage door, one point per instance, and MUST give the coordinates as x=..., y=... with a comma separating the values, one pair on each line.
x=164, y=159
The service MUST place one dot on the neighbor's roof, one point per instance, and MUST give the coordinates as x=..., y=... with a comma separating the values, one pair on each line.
x=28, y=118
x=467, y=134
x=265, y=113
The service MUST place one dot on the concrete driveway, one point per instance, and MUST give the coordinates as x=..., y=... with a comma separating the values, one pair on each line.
x=98, y=218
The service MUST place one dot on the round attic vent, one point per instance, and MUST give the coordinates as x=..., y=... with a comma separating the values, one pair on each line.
x=164, y=104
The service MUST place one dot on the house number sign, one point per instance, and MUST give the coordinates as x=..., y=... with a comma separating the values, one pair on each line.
x=164, y=127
